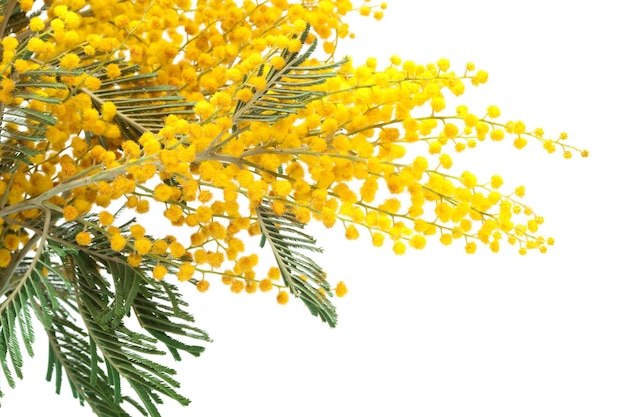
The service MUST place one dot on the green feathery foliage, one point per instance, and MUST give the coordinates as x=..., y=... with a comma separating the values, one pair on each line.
x=305, y=279
x=96, y=284
x=85, y=297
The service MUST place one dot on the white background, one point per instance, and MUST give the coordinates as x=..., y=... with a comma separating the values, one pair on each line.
x=436, y=332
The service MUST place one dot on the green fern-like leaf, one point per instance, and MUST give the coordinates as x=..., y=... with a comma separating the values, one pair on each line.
x=105, y=290
x=142, y=103
x=287, y=89
x=19, y=125
x=70, y=355
x=305, y=279
x=22, y=293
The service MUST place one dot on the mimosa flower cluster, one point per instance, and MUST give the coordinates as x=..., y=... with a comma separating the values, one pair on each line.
x=371, y=150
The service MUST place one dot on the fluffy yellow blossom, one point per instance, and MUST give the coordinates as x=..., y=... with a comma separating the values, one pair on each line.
x=122, y=21
x=70, y=213
x=134, y=260
x=11, y=241
x=118, y=242
x=266, y=285
x=520, y=142
x=341, y=289
x=69, y=61
x=5, y=258
x=186, y=271
x=468, y=179
x=493, y=112
x=106, y=218
x=282, y=297
x=202, y=285
x=177, y=250
x=162, y=192
x=108, y=111
x=159, y=272
x=351, y=232
x=36, y=24
x=470, y=247
x=237, y=286
x=143, y=246
x=83, y=238
x=480, y=77
x=399, y=248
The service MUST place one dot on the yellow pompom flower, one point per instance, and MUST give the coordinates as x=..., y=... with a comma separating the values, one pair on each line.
x=106, y=218
x=493, y=112
x=177, y=250
x=69, y=61
x=273, y=273
x=450, y=130
x=159, y=247
x=26, y=5
x=294, y=45
x=159, y=272
x=446, y=161
x=496, y=181
x=11, y=241
x=277, y=62
x=480, y=77
x=443, y=64
x=341, y=289
x=113, y=71
x=70, y=213
x=137, y=230
x=418, y=242
x=519, y=142
x=378, y=239
x=134, y=260
x=399, y=248
x=143, y=206
x=83, y=238
x=5, y=258
x=282, y=297
x=438, y=104
x=186, y=271
x=175, y=215
x=519, y=127
x=281, y=188
x=245, y=95
x=470, y=248
x=468, y=179
x=237, y=286
x=122, y=21
x=251, y=287
x=162, y=192
x=36, y=45
x=36, y=24
x=143, y=245
x=108, y=111
x=352, y=233
x=202, y=285
x=496, y=134
x=265, y=285
x=118, y=242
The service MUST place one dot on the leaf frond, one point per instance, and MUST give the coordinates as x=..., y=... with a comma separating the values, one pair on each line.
x=305, y=279
x=105, y=291
x=285, y=90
